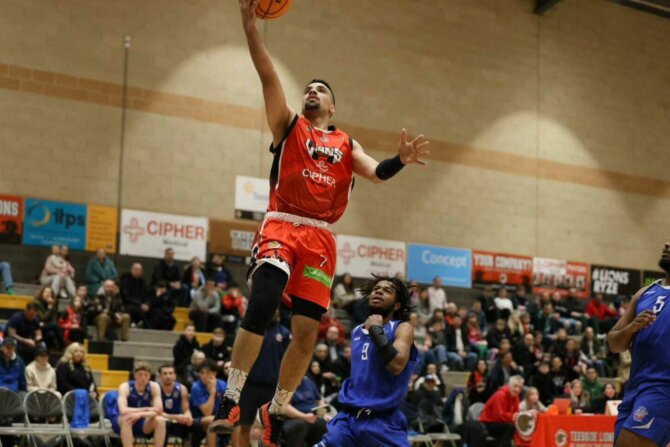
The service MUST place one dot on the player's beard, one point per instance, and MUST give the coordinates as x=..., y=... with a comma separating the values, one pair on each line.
x=312, y=105
x=384, y=312
x=664, y=263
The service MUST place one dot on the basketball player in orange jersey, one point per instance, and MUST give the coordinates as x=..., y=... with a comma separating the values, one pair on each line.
x=294, y=252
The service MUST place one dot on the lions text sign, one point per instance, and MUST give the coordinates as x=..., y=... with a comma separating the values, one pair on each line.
x=363, y=257
x=453, y=265
x=149, y=234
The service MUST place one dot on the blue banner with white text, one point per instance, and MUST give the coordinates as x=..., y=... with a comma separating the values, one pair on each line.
x=54, y=223
x=453, y=265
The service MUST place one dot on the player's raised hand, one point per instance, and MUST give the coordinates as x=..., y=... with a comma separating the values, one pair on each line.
x=643, y=320
x=248, y=10
x=412, y=151
x=374, y=320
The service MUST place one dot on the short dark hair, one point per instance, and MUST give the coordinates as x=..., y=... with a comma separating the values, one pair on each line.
x=208, y=364
x=402, y=294
x=165, y=365
x=321, y=81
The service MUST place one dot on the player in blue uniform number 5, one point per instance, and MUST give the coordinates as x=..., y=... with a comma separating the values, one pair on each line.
x=383, y=357
x=644, y=419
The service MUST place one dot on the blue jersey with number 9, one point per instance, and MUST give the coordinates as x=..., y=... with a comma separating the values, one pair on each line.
x=650, y=348
x=371, y=385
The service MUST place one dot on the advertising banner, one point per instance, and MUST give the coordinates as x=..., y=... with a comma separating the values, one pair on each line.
x=363, y=256
x=252, y=195
x=453, y=265
x=55, y=223
x=101, y=227
x=498, y=268
x=559, y=275
x=11, y=219
x=574, y=431
x=649, y=276
x=231, y=238
x=149, y=234
x=613, y=281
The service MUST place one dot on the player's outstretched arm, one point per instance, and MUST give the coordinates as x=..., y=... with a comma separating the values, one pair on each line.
x=412, y=151
x=279, y=115
x=621, y=335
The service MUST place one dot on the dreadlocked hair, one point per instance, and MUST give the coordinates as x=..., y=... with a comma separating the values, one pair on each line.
x=401, y=291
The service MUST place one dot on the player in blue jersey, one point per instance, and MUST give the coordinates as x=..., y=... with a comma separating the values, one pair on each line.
x=175, y=402
x=141, y=408
x=644, y=419
x=383, y=357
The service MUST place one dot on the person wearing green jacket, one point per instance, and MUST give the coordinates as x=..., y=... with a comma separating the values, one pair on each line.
x=98, y=270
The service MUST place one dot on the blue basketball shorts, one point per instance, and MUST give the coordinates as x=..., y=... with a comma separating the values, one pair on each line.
x=348, y=430
x=646, y=414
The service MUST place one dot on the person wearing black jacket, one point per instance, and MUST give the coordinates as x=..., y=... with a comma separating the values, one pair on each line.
x=167, y=270
x=542, y=380
x=135, y=295
x=502, y=370
x=161, y=309
x=524, y=355
x=183, y=349
x=218, y=350
x=74, y=373
x=459, y=351
x=488, y=305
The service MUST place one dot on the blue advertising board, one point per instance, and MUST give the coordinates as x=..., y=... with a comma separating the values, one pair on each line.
x=453, y=265
x=48, y=223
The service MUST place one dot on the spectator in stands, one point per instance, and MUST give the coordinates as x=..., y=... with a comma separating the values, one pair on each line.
x=502, y=370
x=205, y=308
x=460, y=355
x=176, y=407
x=136, y=296
x=141, y=408
x=580, y=400
x=565, y=310
x=603, y=316
x=342, y=366
x=328, y=319
x=575, y=361
x=183, y=349
x=161, y=308
x=218, y=350
x=422, y=342
x=192, y=370
x=98, y=270
x=344, y=293
x=194, y=276
x=436, y=295
x=542, y=380
x=532, y=401
x=487, y=301
x=302, y=426
x=24, y=326
x=476, y=385
x=330, y=383
x=503, y=303
x=495, y=335
x=262, y=380
x=558, y=348
x=7, y=280
x=72, y=372
x=107, y=311
x=205, y=396
x=559, y=375
x=500, y=412
x=40, y=375
x=58, y=273
x=335, y=342
x=167, y=270
x=516, y=327
x=624, y=365
x=46, y=304
x=72, y=321
x=439, y=341
x=476, y=310
x=548, y=321
x=12, y=368
x=233, y=307
x=599, y=404
x=218, y=272
x=591, y=384
x=449, y=312
x=423, y=307
x=524, y=354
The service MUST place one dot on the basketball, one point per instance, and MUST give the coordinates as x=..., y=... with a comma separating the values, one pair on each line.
x=272, y=9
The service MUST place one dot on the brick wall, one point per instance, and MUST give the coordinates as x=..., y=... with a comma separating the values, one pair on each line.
x=548, y=132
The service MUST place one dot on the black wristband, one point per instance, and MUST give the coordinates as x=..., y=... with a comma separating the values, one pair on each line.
x=385, y=349
x=389, y=167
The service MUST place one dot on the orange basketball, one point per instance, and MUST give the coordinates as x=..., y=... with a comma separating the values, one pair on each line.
x=272, y=9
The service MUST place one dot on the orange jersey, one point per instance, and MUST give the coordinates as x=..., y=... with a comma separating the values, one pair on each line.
x=312, y=172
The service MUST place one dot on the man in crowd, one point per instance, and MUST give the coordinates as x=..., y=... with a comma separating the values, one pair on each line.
x=175, y=402
x=98, y=270
x=183, y=349
x=217, y=271
x=206, y=396
x=167, y=270
x=24, y=326
x=141, y=408
x=12, y=368
x=217, y=349
x=459, y=350
x=107, y=310
x=205, y=308
x=436, y=295
x=135, y=295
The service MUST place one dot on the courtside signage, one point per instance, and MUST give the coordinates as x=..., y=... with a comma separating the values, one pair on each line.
x=453, y=265
x=252, y=195
x=11, y=219
x=149, y=234
x=362, y=256
x=551, y=275
x=49, y=223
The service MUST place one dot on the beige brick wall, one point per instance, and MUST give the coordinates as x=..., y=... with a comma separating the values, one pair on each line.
x=585, y=85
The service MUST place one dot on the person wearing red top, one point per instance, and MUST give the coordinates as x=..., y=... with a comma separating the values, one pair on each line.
x=605, y=315
x=501, y=410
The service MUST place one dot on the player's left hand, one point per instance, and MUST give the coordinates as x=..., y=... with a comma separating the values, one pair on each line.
x=412, y=151
x=374, y=320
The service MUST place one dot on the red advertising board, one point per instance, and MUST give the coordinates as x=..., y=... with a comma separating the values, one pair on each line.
x=11, y=219
x=490, y=268
x=574, y=431
x=559, y=275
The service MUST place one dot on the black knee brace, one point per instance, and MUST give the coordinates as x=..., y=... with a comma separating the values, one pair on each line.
x=268, y=285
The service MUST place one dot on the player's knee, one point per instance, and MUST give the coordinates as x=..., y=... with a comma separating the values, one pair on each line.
x=268, y=285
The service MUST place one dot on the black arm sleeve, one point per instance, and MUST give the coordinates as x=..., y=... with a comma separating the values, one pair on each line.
x=389, y=167
x=385, y=349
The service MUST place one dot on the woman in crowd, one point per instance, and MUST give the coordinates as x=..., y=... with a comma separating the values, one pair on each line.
x=71, y=321
x=58, y=273
x=477, y=391
x=344, y=293
x=40, y=375
x=74, y=373
x=194, y=276
x=532, y=401
x=600, y=403
x=476, y=336
x=580, y=401
x=46, y=305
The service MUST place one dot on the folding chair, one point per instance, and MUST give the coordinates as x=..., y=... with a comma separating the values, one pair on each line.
x=11, y=410
x=45, y=405
x=420, y=440
x=95, y=423
x=444, y=435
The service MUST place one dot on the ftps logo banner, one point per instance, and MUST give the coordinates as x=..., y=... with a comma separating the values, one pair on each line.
x=49, y=223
